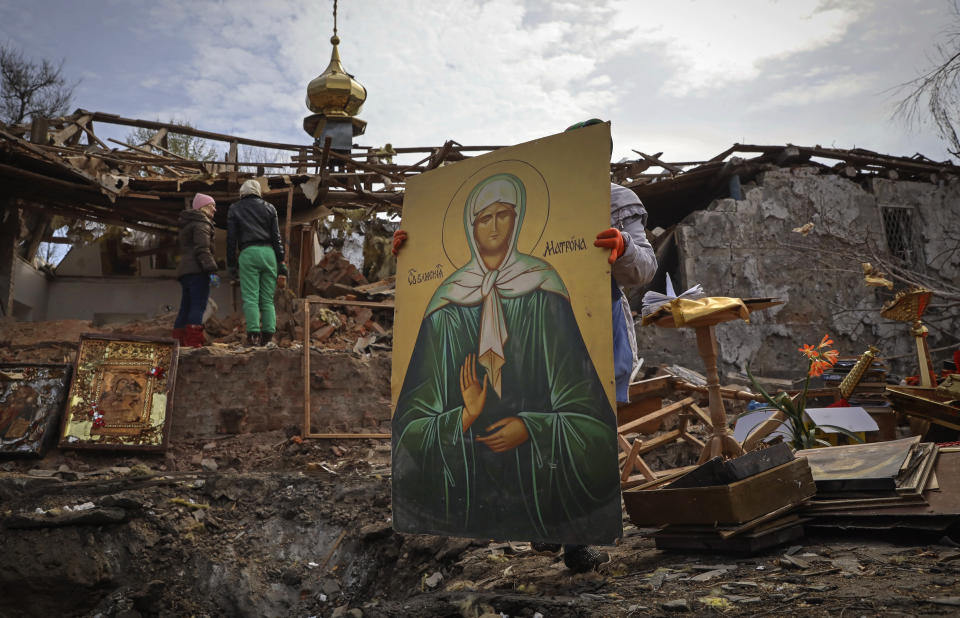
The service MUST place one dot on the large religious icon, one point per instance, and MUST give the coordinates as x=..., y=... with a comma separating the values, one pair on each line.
x=121, y=394
x=504, y=423
x=31, y=399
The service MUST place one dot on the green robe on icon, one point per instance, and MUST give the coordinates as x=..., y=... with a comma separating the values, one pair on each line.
x=561, y=485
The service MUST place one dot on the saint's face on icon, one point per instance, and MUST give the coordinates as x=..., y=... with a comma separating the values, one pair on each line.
x=492, y=230
x=122, y=402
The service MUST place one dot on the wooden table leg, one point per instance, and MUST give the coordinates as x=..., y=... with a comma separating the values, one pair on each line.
x=720, y=442
x=306, y=367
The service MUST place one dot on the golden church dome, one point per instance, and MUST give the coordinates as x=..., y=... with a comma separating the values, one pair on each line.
x=335, y=92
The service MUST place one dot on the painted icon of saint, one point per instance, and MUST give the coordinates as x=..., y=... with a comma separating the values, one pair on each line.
x=123, y=403
x=502, y=427
x=19, y=405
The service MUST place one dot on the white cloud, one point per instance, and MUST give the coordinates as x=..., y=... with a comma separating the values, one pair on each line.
x=714, y=45
x=470, y=71
x=687, y=77
x=839, y=87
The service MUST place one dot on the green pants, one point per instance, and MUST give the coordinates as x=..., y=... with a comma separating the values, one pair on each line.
x=258, y=282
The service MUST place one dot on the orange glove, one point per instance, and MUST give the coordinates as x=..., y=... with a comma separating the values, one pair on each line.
x=609, y=239
x=399, y=237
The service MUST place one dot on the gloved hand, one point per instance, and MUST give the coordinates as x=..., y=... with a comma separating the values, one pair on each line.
x=214, y=280
x=399, y=237
x=612, y=239
x=282, y=269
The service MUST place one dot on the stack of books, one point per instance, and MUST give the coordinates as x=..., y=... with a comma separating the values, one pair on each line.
x=884, y=485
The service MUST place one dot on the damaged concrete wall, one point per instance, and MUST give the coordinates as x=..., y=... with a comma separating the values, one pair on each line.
x=747, y=249
x=89, y=298
x=224, y=392
x=30, y=291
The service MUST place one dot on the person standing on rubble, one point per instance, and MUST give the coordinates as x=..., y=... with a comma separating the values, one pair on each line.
x=197, y=266
x=633, y=263
x=255, y=256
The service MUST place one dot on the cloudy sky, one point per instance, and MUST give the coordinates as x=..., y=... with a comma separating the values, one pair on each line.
x=686, y=77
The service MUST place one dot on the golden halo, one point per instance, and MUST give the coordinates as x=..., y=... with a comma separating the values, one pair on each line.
x=456, y=247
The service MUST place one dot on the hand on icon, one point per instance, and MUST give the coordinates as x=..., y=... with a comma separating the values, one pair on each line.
x=474, y=391
x=510, y=433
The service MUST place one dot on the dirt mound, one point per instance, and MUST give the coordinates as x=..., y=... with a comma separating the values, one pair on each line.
x=283, y=528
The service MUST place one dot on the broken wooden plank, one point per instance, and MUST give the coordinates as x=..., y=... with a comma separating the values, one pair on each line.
x=703, y=416
x=659, y=385
x=673, y=408
x=70, y=130
x=685, y=435
x=383, y=304
x=306, y=367
x=639, y=408
x=659, y=441
x=91, y=135
x=653, y=159
x=662, y=478
x=645, y=470
x=725, y=391
x=632, y=457
x=348, y=436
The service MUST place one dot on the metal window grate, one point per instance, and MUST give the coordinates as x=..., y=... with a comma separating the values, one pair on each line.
x=902, y=240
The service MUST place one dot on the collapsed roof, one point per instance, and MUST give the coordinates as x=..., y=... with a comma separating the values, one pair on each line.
x=144, y=186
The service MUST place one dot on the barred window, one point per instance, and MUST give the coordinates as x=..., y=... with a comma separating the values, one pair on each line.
x=903, y=241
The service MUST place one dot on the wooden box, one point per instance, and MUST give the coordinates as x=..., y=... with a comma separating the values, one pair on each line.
x=637, y=409
x=735, y=503
x=887, y=422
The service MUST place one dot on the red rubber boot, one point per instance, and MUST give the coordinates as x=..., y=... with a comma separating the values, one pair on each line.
x=194, y=337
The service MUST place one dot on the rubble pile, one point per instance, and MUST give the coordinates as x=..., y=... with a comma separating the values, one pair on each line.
x=262, y=524
x=332, y=276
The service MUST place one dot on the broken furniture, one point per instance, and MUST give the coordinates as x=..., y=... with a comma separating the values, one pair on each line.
x=934, y=405
x=31, y=400
x=909, y=306
x=904, y=484
x=121, y=396
x=881, y=469
x=703, y=315
x=741, y=504
x=645, y=414
x=631, y=452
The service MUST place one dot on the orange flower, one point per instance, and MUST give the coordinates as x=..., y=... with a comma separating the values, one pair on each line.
x=820, y=358
x=817, y=367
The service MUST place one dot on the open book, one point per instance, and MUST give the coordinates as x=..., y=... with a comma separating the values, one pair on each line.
x=654, y=300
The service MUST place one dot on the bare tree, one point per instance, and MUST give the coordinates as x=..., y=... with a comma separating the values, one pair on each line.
x=186, y=146
x=29, y=88
x=936, y=92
